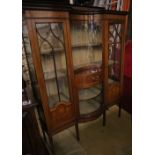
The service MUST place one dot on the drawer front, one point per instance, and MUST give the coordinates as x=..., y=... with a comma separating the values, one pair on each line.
x=88, y=80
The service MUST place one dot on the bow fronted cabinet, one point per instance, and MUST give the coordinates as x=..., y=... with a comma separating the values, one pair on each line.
x=75, y=57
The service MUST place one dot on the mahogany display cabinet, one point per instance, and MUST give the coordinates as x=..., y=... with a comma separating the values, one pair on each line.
x=75, y=57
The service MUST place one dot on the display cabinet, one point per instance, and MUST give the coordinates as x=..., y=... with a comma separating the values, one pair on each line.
x=76, y=59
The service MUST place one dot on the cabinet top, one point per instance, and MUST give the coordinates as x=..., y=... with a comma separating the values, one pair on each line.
x=74, y=9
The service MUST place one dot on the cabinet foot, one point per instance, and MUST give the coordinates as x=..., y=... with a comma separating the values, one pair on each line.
x=119, y=111
x=104, y=117
x=52, y=145
x=44, y=135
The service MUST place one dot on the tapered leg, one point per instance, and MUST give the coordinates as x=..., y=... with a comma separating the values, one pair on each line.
x=44, y=135
x=52, y=145
x=120, y=108
x=104, y=117
x=77, y=131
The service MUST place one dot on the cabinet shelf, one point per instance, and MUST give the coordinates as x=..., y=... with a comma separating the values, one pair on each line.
x=112, y=62
x=113, y=43
x=82, y=45
x=97, y=63
x=51, y=75
x=91, y=105
x=49, y=52
x=87, y=94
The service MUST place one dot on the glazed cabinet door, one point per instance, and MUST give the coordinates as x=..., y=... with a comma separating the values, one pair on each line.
x=114, y=58
x=48, y=32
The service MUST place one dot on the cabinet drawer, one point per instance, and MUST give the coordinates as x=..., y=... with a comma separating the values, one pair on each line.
x=88, y=78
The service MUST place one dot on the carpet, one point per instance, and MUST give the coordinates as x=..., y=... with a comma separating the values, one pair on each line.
x=113, y=139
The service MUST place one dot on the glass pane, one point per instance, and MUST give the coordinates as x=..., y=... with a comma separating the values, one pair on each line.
x=90, y=99
x=87, y=54
x=86, y=43
x=27, y=62
x=114, y=53
x=53, y=58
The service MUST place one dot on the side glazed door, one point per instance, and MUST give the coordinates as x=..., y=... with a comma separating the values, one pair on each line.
x=114, y=38
x=51, y=51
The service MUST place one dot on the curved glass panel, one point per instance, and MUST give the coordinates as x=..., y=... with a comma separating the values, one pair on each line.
x=90, y=99
x=87, y=54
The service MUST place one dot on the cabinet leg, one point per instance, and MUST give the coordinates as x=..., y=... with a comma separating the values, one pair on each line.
x=52, y=145
x=77, y=131
x=120, y=108
x=44, y=135
x=104, y=117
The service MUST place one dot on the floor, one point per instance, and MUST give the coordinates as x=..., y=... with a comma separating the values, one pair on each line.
x=113, y=139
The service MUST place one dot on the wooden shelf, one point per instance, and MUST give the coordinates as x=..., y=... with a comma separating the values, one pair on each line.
x=112, y=62
x=51, y=75
x=113, y=43
x=61, y=50
x=89, y=106
x=48, y=52
x=86, y=94
x=97, y=63
x=86, y=45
